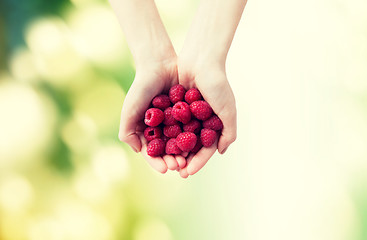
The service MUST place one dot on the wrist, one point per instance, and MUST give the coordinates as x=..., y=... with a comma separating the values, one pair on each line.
x=202, y=51
x=196, y=61
x=145, y=33
x=154, y=54
x=212, y=31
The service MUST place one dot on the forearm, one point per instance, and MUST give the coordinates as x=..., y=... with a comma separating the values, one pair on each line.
x=213, y=29
x=144, y=31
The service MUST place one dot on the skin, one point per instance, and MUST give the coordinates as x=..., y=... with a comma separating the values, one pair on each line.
x=201, y=64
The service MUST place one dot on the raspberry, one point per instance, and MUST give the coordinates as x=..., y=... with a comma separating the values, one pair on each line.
x=208, y=137
x=197, y=147
x=177, y=93
x=156, y=147
x=161, y=101
x=213, y=123
x=153, y=117
x=172, y=148
x=187, y=126
x=165, y=139
x=186, y=141
x=201, y=110
x=151, y=133
x=181, y=112
x=192, y=95
x=193, y=126
x=172, y=131
x=168, y=118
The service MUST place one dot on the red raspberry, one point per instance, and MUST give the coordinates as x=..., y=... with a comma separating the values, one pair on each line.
x=213, y=123
x=151, y=133
x=197, y=147
x=165, y=139
x=153, y=117
x=177, y=93
x=193, y=126
x=201, y=110
x=208, y=137
x=172, y=148
x=192, y=95
x=168, y=118
x=181, y=112
x=156, y=147
x=172, y=131
x=186, y=141
x=161, y=101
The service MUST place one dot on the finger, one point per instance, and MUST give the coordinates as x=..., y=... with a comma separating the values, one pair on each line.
x=140, y=126
x=201, y=158
x=157, y=163
x=185, y=78
x=170, y=162
x=184, y=154
x=136, y=102
x=181, y=161
x=183, y=171
x=133, y=141
x=127, y=132
x=229, y=131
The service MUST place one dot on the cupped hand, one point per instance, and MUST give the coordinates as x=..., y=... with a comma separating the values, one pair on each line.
x=156, y=78
x=150, y=80
x=211, y=80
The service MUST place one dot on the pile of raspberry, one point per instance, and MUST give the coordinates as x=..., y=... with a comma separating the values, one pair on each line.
x=180, y=122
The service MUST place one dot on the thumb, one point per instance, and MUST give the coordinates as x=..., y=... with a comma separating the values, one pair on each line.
x=136, y=102
x=229, y=131
x=132, y=139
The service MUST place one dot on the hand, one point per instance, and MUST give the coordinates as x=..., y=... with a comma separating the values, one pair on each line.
x=150, y=80
x=202, y=65
x=211, y=80
x=209, y=36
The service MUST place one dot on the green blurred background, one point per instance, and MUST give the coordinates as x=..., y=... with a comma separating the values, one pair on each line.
x=297, y=171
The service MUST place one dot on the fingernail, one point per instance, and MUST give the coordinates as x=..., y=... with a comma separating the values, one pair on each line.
x=224, y=150
x=135, y=150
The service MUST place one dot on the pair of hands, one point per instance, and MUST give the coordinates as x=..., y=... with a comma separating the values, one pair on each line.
x=157, y=75
x=201, y=64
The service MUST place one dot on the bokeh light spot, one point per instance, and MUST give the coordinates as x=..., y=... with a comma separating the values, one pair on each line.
x=98, y=35
x=88, y=186
x=101, y=102
x=45, y=229
x=79, y=133
x=81, y=222
x=26, y=123
x=23, y=67
x=110, y=164
x=56, y=58
x=16, y=193
x=152, y=229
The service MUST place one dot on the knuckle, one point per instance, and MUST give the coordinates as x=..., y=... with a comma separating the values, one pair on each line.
x=232, y=138
x=162, y=170
x=122, y=137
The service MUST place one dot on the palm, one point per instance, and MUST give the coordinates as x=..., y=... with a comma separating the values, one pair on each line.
x=148, y=83
x=212, y=83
